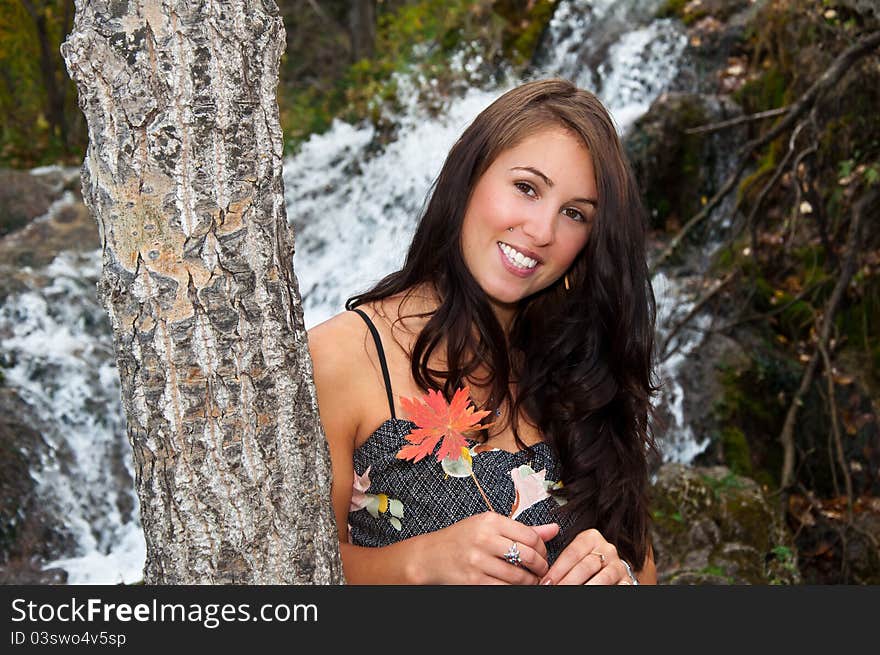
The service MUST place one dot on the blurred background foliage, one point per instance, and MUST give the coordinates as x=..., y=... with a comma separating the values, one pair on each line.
x=40, y=122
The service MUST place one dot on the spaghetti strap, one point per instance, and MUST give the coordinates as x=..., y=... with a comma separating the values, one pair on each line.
x=382, y=361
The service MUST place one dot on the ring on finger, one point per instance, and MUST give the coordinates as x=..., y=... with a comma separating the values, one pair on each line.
x=512, y=556
x=601, y=556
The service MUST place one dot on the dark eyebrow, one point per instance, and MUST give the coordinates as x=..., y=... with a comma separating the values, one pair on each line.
x=549, y=182
x=534, y=171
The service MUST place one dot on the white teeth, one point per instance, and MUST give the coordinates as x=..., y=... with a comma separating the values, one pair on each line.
x=516, y=257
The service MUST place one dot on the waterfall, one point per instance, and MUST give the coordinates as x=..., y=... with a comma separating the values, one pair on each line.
x=57, y=340
x=353, y=207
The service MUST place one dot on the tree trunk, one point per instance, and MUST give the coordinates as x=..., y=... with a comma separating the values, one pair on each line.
x=362, y=28
x=183, y=176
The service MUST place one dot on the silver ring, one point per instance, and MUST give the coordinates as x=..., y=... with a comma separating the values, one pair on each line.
x=629, y=572
x=512, y=555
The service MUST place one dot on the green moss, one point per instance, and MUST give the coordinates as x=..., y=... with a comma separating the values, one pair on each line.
x=659, y=515
x=796, y=320
x=674, y=183
x=786, y=558
x=857, y=324
x=737, y=455
x=751, y=184
x=768, y=91
x=722, y=487
x=523, y=28
x=751, y=411
x=677, y=9
x=672, y=9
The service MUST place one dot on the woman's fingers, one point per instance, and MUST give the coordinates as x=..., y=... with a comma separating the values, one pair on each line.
x=497, y=568
x=580, y=571
x=588, y=559
x=572, y=556
x=529, y=558
x=531, y=536
x=612, y=574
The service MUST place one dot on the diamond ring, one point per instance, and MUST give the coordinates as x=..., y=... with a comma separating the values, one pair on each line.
x=512, y=555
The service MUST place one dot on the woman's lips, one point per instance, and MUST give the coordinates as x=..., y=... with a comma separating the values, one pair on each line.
x=519, y=272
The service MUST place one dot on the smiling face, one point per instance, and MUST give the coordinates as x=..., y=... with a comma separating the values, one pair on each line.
x=529, y=216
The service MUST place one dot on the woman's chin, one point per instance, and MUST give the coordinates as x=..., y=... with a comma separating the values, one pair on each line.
x=505, y=301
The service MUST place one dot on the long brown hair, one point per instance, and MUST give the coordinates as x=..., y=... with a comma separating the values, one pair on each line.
x=581, y=357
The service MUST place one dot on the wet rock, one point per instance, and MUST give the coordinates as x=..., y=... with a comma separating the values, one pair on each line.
x=23, y=197
x=701, y=380
x=717, y=31
x=62, y=222
x=714, y=527
x=28, y=534
x=677, y=171
x=29, y=572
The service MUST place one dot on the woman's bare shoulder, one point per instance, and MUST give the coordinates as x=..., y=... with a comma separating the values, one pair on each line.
x=337, y=342
x=339, y=359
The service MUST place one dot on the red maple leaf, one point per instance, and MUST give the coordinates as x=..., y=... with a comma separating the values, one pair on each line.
x=436, y=420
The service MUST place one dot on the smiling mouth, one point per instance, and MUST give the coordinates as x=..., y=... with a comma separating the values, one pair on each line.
x=516, y=258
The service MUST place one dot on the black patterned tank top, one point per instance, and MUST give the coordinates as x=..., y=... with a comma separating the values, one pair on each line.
x=394, y=499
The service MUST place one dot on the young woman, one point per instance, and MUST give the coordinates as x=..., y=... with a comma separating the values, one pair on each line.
x=523, y=321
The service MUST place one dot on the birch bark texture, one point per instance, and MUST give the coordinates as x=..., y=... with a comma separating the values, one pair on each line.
x=183, y=176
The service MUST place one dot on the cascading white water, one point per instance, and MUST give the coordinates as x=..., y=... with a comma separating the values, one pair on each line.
x=354, y=212
x=57, y=337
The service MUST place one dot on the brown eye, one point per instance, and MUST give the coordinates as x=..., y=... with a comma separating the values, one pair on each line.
x=526, y=188
x=575, y=214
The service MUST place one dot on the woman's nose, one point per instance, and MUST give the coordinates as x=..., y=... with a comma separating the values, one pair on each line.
x=540, y=227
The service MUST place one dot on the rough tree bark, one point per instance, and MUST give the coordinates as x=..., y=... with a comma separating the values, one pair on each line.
x=183, y=176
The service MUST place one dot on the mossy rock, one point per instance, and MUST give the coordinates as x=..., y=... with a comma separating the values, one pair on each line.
x=676, y=171
x=712, y=526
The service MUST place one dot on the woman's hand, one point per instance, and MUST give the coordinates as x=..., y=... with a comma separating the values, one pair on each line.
x=471, y=552
x=588, y=559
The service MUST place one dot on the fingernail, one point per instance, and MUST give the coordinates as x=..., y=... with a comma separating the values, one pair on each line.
x=548, y=581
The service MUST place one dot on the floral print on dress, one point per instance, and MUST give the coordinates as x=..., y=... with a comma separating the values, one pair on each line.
x=531, y=488
x=375, y=504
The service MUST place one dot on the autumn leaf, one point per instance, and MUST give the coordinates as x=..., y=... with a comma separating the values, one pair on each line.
x=439, y=422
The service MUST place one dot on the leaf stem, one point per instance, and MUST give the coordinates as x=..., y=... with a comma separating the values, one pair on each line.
x=480, y=489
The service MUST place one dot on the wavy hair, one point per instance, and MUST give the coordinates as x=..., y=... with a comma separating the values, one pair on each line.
x=581, y=357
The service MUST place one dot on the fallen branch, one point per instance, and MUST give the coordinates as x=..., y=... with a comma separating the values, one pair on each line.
x=799, y=188
x=715, y=127
x=847, y=270
x=835, y=430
